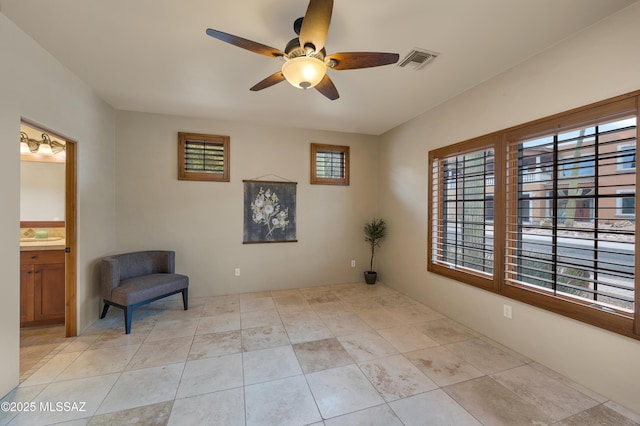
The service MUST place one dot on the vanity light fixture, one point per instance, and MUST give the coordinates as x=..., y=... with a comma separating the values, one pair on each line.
x=46, y=146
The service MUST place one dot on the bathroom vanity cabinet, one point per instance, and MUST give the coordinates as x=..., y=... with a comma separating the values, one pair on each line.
x=42, y=286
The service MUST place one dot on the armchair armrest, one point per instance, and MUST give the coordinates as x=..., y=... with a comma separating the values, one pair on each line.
x=110, y=276
x=165, y=261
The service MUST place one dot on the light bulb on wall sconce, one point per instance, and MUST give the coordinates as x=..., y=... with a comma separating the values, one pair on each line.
x=28, y=145
x=57, y=147
x=24, y=143
x=45, y=146
x=304, y=72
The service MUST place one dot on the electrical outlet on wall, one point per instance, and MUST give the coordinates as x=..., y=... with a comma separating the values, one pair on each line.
x=237, y=272
x=353, y=263
x=507, y=311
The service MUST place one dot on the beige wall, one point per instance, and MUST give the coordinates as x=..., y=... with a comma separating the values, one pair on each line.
x=551, y=82
x=35, y=86
x=203, y=221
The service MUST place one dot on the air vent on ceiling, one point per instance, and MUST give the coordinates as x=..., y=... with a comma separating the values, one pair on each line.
x=417, y=59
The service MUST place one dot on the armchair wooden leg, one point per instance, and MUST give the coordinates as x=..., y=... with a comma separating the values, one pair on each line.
x=128, y=315
x=104, y=311
x=185, y=298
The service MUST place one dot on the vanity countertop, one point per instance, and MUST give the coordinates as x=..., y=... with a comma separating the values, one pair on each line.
x=57, y=244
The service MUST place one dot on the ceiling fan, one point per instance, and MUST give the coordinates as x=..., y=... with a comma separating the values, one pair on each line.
x=306, y=60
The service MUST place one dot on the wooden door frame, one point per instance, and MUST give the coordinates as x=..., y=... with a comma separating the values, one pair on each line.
x=71, y=259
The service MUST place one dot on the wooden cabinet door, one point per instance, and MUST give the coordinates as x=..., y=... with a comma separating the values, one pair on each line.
x=42, y=287
x=49, y=291
x=27, y=284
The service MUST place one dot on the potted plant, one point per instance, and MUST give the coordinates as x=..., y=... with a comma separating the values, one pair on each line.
x=374, y=232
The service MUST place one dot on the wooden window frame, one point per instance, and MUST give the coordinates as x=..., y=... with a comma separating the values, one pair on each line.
x=185, y=174
x=623, y=323
x=344, y=150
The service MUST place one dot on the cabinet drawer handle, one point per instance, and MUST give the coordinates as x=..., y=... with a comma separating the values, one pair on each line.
x=37, y=272
x=30, y=272
x=34, y=257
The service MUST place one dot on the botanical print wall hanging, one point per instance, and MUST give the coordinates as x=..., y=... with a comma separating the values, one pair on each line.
x=269, y=212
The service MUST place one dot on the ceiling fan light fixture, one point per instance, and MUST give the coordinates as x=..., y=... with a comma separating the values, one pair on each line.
x=304, y=72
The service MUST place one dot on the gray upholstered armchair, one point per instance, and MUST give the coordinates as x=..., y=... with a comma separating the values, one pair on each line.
x=133, y=279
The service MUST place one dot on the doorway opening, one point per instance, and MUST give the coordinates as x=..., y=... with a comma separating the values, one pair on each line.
x=48, y=262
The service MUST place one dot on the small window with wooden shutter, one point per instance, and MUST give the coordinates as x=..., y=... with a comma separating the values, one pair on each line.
x=329, y=164
x=203, y=157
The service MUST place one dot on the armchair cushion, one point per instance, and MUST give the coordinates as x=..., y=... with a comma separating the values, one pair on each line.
x=145, y=287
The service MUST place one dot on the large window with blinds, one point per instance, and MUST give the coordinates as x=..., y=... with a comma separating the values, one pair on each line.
x=203, y=157
x=329, y=164
x=545, y=213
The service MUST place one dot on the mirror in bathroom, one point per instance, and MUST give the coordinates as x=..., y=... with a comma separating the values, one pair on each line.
x=42, y=191
x=42, y=176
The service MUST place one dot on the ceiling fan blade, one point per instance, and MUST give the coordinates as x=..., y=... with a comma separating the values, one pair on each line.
x=269, y=81
x=327, y=88
x=315, y=24
x=355, y=60
x=245, y=44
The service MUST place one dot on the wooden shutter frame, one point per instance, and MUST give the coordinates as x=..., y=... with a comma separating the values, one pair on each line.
x=184, y=174
x=344, y=150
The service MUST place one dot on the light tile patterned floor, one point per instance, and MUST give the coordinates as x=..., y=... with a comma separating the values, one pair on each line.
x=344, y=354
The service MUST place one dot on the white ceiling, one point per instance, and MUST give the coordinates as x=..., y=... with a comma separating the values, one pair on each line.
x=154, y=55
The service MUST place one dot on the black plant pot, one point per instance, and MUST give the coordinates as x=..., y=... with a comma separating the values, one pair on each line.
x=370, y=277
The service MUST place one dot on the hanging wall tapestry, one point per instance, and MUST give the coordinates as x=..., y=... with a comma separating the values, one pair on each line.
x=269, y=212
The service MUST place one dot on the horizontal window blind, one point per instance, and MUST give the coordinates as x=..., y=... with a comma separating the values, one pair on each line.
x=203, y=157
x=462, y=211
x=330, y=164
x=571, y=214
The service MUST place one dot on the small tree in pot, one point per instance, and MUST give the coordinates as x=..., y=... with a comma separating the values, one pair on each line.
x=374, y=232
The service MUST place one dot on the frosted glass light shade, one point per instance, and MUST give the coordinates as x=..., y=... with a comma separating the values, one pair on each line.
x=304, y=72
x=24, y=148
x=45, y=149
